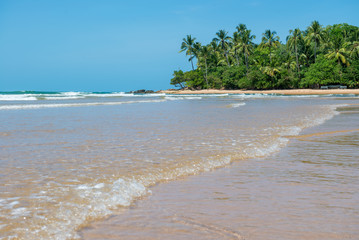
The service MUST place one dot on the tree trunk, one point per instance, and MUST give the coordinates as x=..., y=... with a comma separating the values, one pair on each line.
x=340, y=71
x=296, y=57
x=237, y=59
x=182, y=87
x=192, y=65
x=205, y=62
x=246, y=57
x=225, y=53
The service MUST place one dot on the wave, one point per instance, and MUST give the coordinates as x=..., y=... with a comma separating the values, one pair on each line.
x=199, y=95
x=123, y=191
x=33, y=96
x=102, y=197
x=236, y=105
x=98, y=199
x=275, y=95
x=37, y=95
x=59, y=105
x=14, y=97
x=183, y=98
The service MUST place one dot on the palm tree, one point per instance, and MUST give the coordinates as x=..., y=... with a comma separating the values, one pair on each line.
x=292, y=42
x=223, y=40
x=270, y=71
x=315, y=35
x=188, y=46
x=236, y=40
x=353, y=49
x=204, y=55
x=247, y=45
x=196, y=49
x=338, y=50
x=241, y=28
x=215, y=56
x=270, y=40
x=214, y=46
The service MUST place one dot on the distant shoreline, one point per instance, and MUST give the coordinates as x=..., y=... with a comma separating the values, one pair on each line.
x=284, y=92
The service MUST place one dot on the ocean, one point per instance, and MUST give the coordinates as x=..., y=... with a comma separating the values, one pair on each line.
x=110, y=165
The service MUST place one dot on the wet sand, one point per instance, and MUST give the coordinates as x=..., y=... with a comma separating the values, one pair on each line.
x=306, y=191
x=284, y=92
x=72, y=162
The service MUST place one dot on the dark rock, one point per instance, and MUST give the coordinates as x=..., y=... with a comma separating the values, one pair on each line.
x=140, y=91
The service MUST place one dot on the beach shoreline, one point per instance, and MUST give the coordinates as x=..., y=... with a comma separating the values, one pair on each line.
x=241, y=202
x=283, y=92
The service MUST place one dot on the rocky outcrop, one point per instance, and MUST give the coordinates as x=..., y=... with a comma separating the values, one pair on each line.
x=142, y=91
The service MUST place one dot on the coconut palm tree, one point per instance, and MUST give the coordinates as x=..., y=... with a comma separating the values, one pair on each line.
x=247, y=45
x=241, y=28
x=204, y=55
x=188, y=46
x=270, y=40
x=223, y=40
x=353, y=49
x=314, y=36
x=338, y=50
x=292, y=42
x=236, y=41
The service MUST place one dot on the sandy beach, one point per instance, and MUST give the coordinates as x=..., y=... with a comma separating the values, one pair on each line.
x=284, y=92
x=77, y=165
x=305, y=191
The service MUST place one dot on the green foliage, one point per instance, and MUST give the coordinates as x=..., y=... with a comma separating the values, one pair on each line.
x=178, y=79
x=256, y=79
x=351, y=75
x=232, y=75
x=194, y=79
x=323, y=72
x=312, y=57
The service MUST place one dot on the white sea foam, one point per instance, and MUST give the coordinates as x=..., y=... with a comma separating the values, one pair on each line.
x=99, y=199
x=59, y=105
x=266, y=95
x=16, y=97
x=98, y=186
x=182, y=98
x=61, y=97
x=12, y=204
x=150, y=95
x=266, y=149
x=291, y=131
x=236, y=105
x=20, y=212
x=115, y=94
x=71, y=96
x=197, y=95
x=327, y=113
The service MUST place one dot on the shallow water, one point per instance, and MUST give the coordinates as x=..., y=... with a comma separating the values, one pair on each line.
x=68, y=161
x=306, y=191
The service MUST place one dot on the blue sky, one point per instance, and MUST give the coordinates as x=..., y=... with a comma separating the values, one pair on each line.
x=117, y=45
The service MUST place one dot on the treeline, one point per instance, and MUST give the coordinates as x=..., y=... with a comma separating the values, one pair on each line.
x=310, y=58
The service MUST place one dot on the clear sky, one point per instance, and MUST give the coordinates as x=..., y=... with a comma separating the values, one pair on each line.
x=123, y=45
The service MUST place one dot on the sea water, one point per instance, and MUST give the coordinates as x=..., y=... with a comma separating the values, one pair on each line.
x=69, y=159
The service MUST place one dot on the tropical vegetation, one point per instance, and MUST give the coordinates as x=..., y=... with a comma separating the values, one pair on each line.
x=310, y=58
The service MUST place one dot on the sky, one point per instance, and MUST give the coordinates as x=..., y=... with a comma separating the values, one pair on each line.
x=118, y=45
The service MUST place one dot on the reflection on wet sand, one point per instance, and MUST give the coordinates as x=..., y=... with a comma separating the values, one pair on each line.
x=306, y=191
x=306, y=136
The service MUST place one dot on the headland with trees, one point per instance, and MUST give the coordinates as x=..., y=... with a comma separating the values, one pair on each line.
x=311, y=58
